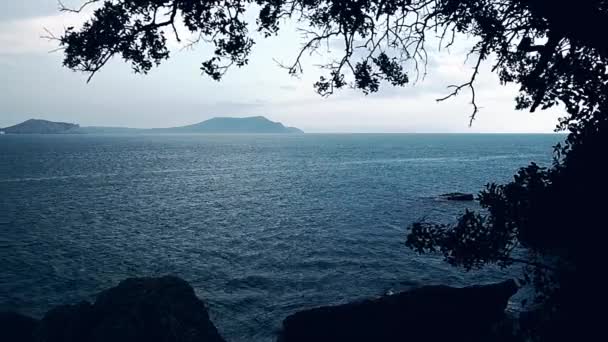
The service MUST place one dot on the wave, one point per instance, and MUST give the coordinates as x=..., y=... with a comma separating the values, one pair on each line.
x=443, y=159
x=278, y=169
x=99, y=175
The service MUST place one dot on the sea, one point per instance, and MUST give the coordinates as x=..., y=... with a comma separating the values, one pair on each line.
x=261, y=226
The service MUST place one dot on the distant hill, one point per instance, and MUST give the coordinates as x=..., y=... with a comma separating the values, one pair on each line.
x=35, y=126
x=253, y=124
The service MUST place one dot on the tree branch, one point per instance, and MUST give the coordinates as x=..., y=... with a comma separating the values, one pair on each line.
x=470, y=85
x=63, y=8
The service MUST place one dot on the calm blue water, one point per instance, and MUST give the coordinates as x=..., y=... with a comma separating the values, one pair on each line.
x=261, y=226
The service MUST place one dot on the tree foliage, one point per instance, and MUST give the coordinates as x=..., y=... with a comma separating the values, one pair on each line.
x=556, y=55
x=556, y=51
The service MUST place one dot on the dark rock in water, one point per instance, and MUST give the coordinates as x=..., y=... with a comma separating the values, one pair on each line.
x=166, y=309
x=432, y=313
x=139, y=309
x=67, y=323
x=458, y=196
x=16, y=327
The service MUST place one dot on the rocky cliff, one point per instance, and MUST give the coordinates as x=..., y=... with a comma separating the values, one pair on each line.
x=166, y=309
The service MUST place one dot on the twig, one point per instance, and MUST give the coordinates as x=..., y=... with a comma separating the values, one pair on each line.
x=470, y=85
x=63, y=8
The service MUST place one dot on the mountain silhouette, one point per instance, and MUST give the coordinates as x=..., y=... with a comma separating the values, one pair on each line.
x=252, y=124
x=225, y=125
x=36, y=126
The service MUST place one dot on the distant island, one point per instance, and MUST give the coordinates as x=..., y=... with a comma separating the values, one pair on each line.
x=34, y=126
x=223, y=125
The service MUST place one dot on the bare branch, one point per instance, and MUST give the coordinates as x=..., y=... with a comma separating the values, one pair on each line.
x=310, y=47
x=175, y=32
x=63, y=8
x=49, y=35
x=469, y=85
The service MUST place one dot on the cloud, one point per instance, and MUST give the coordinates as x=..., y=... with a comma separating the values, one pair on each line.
x=176, y=94
x=288, y=87
x=26, y=36
x=408, y=114
x=12, y=10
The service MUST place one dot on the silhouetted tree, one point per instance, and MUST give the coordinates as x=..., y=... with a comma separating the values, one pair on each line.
x=555, y=50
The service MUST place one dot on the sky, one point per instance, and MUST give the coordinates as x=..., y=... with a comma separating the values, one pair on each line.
x=35, y=85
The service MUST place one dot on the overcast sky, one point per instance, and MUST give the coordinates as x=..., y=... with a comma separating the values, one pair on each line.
x=35, y=85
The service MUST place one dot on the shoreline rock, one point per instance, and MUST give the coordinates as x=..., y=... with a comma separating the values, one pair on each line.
x=431, y=313
x=166, y=309
x=17, y=327
x=138, y=309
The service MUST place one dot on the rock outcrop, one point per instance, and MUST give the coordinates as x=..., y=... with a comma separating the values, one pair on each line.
x=138, y=309
x=16, y=327
x=458, y=196
x=166, y=309
x=432, y=313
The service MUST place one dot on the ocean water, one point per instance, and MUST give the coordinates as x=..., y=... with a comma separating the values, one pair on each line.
x=261, y=225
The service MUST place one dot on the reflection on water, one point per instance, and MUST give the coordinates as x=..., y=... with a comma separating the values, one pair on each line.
x=261, y=226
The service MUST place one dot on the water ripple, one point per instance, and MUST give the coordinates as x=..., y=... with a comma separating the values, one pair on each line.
x=261, y=226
